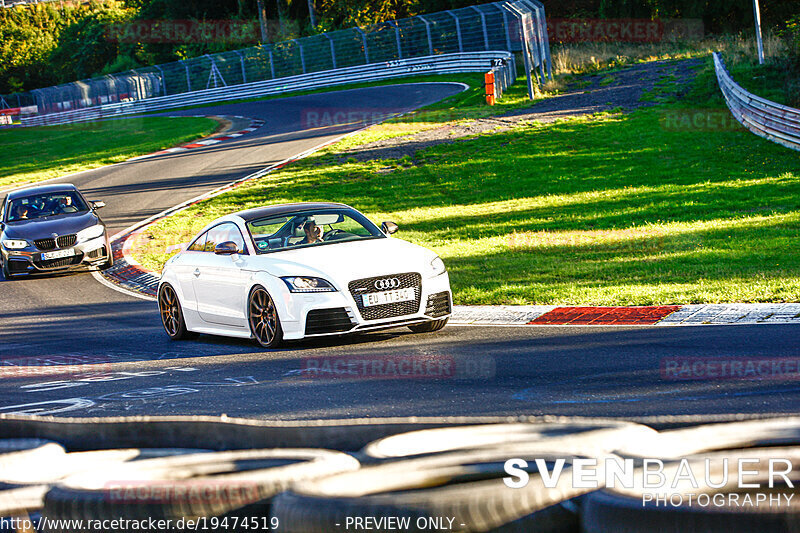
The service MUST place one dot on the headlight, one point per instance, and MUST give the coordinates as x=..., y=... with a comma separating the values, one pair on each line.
x=437, y=267
x=91, y=233
x=13, y=244
x=307, y=284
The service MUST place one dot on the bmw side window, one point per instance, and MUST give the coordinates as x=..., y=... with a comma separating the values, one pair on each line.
x=199, y=243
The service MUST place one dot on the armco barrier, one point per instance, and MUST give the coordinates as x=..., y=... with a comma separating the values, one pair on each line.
x=775, y=122
x=501, y=62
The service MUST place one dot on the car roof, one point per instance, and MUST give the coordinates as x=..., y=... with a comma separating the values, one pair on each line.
x=43, y=189
x=282, y=209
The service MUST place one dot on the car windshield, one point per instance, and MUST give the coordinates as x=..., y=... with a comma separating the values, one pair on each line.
x=310, y=228
x=45, y=205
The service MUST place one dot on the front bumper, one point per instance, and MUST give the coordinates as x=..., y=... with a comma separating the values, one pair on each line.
x=31, y=261
x=336, y=313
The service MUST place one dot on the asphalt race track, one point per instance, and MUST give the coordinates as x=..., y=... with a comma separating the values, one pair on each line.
x=70, y=346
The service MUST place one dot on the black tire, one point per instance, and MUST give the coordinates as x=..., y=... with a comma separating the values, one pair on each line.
x=465, y=486
x=6, y=272
x=427, y=327
x=169, y=307
x=614, y=510
x=592, y=434
x=238, y=483
x=22, y=489
x=108, y=264
x=265, y=325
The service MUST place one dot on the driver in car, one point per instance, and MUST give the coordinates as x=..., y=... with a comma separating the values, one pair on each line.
x=312, y=231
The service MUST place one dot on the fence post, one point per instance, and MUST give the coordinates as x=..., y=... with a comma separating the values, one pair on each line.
x=483, y=23
x=364, y=40
x=271, y=63
x=428, y=31
x=505, y=27
x=302, y=56
x=458, y=31
x=333, y=48
x=397, y=38
x=163, y=81
x=188, y=78
x=241, y=61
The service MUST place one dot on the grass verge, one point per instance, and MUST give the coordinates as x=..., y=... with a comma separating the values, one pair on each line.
x=28, y=155
x=606, y=210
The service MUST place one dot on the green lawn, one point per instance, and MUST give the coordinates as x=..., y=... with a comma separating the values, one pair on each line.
x=29, y=155
x=613, y=209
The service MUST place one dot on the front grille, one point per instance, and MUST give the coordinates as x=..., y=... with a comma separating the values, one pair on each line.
x=45, y=244
x=319, y=321
x=62, y=242
x=59, y=263
x=438, y=304
x=360, y=287
x=67, y=240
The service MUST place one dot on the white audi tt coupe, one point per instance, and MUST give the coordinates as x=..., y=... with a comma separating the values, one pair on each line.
x=301, y=270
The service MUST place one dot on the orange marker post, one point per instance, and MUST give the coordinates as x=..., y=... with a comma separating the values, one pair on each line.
x=488, y=80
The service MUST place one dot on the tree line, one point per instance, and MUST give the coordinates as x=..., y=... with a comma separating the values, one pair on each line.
x=51, y=43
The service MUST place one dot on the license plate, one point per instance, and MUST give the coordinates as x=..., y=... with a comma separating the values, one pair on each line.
x=388, y=297
x=58, y=254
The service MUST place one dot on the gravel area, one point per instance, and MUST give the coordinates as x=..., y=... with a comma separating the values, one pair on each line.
x=590, y=94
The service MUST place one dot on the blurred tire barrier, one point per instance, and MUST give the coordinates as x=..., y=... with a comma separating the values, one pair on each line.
x=427, y=473
x=591, y=434
x=462, y=491
x=621, y=510
x=190, y=486
x=25, y=479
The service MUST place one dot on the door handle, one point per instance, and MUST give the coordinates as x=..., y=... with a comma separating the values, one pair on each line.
x=196, y=272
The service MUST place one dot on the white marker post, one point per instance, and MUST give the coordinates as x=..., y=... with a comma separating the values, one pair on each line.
x=757, y=15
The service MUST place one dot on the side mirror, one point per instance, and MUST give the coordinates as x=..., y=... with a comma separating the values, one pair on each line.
x=97, y=204
x=226, y=248
x=389, y=227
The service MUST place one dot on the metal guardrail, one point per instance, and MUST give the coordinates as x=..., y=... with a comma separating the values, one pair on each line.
x=502, y=62
x=772, y=121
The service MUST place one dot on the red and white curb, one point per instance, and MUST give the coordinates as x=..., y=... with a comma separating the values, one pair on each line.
x=210, y=141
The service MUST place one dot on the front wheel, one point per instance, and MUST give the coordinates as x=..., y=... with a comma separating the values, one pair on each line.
x=263, y=317
x=171, y=314
x=108, y=264
x=427, y=327
x=6, y=272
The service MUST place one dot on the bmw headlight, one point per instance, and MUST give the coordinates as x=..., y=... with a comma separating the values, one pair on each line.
x=91, y=233
x=437, y=267
x=15, y=244
x=307, y=284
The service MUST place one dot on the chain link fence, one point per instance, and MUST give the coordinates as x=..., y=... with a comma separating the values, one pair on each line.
x=517, y=26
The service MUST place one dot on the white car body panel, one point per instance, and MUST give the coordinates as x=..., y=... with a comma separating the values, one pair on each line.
x=214, y=289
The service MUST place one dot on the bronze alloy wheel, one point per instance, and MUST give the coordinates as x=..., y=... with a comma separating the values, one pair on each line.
x=264, y=323
x=171, y=314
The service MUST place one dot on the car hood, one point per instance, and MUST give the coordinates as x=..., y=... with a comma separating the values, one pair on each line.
x=346, y=261
x=43, y=228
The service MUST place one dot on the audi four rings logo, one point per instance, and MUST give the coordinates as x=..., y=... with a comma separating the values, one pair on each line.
x=387, y=283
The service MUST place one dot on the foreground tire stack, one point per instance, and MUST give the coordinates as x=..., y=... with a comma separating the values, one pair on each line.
x=448, y=478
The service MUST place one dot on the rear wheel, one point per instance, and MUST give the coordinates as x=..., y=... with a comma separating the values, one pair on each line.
x=427, y=327
x=263, y=317
x=172, y=314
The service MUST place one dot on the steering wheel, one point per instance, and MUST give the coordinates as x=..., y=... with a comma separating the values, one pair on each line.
x=332, y=233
